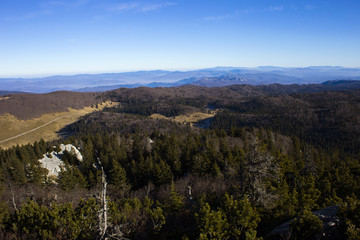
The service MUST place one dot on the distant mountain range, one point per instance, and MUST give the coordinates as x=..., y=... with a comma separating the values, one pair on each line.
x=211, y=77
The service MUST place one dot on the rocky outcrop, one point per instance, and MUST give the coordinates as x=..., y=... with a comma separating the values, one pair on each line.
x=330, y=226
x=52, y=161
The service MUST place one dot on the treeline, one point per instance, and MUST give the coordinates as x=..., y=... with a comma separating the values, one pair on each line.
x=243, y=184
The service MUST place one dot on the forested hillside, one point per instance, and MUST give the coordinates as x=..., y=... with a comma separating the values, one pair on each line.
x=271, y=154
x=27, y=106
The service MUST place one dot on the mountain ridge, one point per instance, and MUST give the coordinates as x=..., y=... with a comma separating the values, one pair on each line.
x=161, y=78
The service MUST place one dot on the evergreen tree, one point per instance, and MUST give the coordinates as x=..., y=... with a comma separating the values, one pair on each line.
x=242, y=218
x=70, y=177
x=4, y=213
x=212, y=224
x=155, y=213
x=161, y=173
x=175, y=203
x=87, y=215
x=306, y=226
x=117, y=177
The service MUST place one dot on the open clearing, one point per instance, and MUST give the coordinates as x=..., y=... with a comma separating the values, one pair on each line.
x=15, y=131
x=190, y=119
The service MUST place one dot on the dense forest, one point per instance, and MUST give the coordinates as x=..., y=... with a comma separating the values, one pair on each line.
x=268, y=157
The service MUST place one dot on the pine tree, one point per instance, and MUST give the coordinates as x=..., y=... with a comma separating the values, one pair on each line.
x=71, y=177
x=87, y=216
x=161, y=173
x=117, y=176
x=212, y=224
x=175, y=203
x=155, y=213
x=306, y=226
x=4, y=214
x=242, y=218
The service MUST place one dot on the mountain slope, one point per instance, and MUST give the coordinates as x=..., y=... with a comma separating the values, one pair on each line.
x=26, y=106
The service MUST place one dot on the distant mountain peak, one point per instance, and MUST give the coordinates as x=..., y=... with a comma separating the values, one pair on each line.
x=217, y=76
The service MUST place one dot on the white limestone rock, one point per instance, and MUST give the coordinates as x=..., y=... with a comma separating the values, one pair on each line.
x=52, y=161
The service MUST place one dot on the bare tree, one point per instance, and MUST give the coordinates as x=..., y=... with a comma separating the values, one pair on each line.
x=257, y=172
x=103, y=225
x=106, y=231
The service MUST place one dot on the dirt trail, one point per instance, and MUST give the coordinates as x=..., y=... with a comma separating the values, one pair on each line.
x=44, y=125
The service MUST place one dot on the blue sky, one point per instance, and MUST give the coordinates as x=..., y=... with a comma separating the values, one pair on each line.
x=49, y=37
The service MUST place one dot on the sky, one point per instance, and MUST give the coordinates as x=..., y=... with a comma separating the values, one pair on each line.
x=48, y=37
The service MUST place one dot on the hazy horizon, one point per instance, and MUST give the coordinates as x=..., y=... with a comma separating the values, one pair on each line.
x=69, y=74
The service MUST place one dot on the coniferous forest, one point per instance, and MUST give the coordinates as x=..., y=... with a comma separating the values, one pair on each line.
x=269, y=165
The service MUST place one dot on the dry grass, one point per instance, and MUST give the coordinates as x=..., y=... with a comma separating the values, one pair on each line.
x=15, y=131
x=187, y=119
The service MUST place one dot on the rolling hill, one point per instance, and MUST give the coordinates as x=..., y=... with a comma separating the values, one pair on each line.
x=24, y=113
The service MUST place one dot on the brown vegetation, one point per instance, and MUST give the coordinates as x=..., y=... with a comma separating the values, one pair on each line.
x=28, y=106
x=47, y=126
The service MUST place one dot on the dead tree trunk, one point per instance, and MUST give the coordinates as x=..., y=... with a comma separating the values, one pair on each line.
x=103, y=210
x=106, y=230
x=13, y=197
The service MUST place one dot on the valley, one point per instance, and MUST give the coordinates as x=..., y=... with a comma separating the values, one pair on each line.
x=177, y=161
